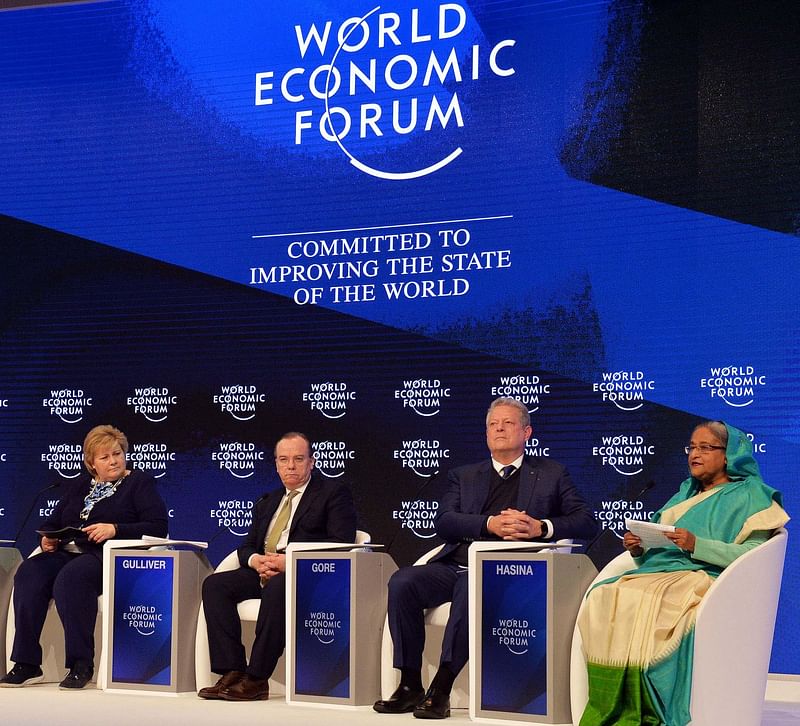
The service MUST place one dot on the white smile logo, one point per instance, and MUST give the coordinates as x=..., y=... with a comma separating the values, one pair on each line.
x=422, y=396
x=329, y=398
x=67, y=404
x=418, y=516
x=733, y=385
x=239, y=458
x=152, y=403
x=323, y=626
x=361, y=166
x=625, y=454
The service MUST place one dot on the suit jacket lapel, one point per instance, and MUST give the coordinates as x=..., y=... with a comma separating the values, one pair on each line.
x=527, y=483
x=305, y=502
x=479, y=491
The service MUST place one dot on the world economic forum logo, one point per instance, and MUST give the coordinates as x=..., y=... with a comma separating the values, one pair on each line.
x=331, y=457
x=239, y=401
x=152, y=403
x=733, y=385
x=625, y=389
x=375, y=81
x=238, y=458
x=529, y=389
x=422, y=456
x=418, y=516
x=330, y=398
x=235, y=515
x=626, y=454
x=423, y=396
x=64, y=459
x=152, y=457
x=69, y=404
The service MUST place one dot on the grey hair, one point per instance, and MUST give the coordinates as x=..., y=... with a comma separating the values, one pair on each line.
x=719, y=429
x=524, y=416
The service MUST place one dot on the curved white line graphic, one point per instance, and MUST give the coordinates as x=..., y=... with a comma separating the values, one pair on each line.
x=155, y=420
x=330, y=476
x=246, y=476
x=152, y=632
x=66, y=420
x=625, y=473
x=360, y=165
x=420, y=413
x=422, y=536
x=237, y=534
x=337, y=416
x=325, y=642
x=736, y=405
x=74, y=476
x=521, y=652
x=623, y=408
x=238, y=418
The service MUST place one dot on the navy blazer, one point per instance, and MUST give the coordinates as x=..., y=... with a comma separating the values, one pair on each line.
x=326, y=513
x=136, y=508
x=546, y=491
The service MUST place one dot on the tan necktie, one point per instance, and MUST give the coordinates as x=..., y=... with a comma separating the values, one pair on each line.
x=271, y=540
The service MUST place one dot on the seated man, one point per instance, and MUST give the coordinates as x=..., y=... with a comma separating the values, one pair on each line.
x=305, y=509
x=511, y=497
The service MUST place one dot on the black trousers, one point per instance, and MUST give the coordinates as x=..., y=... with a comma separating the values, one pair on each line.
x=74, y=581
x=222, y=591
x=411, y=591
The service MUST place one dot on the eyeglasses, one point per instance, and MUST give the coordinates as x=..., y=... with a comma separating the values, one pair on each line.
x=702, y=448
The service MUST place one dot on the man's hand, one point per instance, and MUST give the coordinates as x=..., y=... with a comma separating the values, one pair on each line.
x=511, y=524
x=268, y=565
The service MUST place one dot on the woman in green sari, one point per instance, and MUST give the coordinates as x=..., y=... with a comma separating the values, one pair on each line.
x=638, y=629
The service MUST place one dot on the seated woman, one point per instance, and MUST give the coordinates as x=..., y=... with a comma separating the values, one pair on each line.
x=638, y=629
x=113, y=502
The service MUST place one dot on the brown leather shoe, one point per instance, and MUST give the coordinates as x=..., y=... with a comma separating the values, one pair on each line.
x=213, y=692
x=246, y=688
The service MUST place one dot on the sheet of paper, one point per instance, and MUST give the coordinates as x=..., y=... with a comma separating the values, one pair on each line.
x=652, y=535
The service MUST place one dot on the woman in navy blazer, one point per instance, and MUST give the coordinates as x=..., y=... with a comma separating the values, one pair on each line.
x=112, y=502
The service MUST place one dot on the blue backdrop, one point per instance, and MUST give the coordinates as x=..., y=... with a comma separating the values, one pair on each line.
x=227, y=220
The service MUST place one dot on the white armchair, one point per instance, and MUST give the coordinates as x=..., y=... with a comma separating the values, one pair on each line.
x=733, y=638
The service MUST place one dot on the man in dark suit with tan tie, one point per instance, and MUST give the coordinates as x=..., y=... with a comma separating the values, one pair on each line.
x=305, y=509
x=511, y=496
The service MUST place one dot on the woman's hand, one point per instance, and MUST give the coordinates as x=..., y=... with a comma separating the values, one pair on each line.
x=683, y=538
x=48, y=544
x=633, y=544
x=100, y=532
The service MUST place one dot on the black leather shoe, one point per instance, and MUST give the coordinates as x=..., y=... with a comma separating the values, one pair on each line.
x=79, y=675
x=403, y=700
x=213, y=692
x=435, y=705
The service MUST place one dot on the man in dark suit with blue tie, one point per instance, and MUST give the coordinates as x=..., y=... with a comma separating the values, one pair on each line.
x=304, y=509
x=511, y=496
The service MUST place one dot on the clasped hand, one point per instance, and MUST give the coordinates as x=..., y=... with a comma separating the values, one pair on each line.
x=511, y=524
x=268, y=565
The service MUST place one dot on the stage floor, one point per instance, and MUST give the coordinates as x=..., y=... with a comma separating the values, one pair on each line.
x=45, y=703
